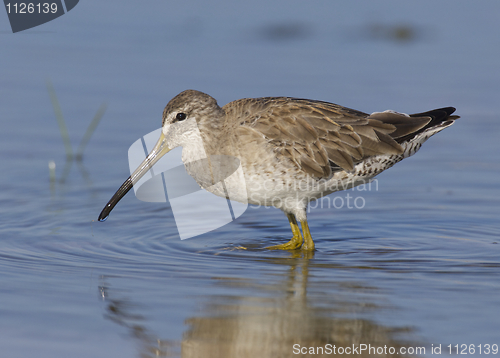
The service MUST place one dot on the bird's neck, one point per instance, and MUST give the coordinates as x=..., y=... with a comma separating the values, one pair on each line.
x=216, y=135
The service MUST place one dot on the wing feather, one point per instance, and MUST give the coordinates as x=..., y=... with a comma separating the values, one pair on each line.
x=321, y=137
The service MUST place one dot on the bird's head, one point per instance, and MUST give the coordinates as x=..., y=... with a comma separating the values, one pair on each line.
x=181, y=118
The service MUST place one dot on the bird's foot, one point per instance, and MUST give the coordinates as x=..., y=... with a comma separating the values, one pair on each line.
x=294, y=244
x=308, y=245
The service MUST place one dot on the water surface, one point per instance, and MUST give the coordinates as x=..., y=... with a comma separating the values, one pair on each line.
x=417, y=266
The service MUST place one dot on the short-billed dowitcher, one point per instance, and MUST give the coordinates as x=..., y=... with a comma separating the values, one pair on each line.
x=291, y=150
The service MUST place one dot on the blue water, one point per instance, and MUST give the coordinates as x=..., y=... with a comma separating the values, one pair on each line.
x=417, y=266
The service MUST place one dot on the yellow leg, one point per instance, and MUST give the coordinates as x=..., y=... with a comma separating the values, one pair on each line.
x=296, y=241
x=308, y=241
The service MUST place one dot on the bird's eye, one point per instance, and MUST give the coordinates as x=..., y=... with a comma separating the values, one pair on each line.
x=180, y=116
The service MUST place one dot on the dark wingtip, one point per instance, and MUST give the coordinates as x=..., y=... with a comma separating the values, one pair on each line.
x=448, y=110
x=440, y=116
x=436, y=114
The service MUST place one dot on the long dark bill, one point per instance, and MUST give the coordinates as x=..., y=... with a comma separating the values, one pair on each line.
x=120, y=193
x=158, y=151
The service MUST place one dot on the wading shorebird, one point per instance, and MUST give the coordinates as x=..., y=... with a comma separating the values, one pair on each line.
x=291, y=151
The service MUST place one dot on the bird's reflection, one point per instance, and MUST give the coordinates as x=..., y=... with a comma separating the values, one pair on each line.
x=270, y=322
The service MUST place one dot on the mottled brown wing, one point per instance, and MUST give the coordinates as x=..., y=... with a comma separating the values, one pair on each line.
x=321, y=137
